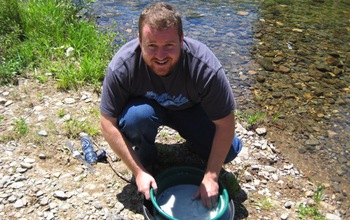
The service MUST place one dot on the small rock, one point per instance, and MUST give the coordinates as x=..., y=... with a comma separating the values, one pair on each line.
x=42, y=156
x=26, y=165
x=60, y=195
x=39, y=193
x=69, y=100
x=98, y=205
x=8, y=103
x=56, y=174
x=312, y=142
x=260, y=78
x=330, y=216
x=50, y=216
x=65, y=207
x=69, y=51
x=288, y=205
x=270, y=169
x=322, y=67
x=17, y=185
x=244, y=13
x=278, y=59
x=310, y=202
x=257, y=144
x=298, y=30
x=309, y=194
x=331, y=134
x=244, y=154
x=29, y=160
x=12, y=199
x=255, y=167
x=248, y=176
x=284, y=216
x=4, y=195
x=261, y=131
x=67, y=117
x=19, y=204
x=277, y=95
x=44, y=201
x=288, y=167
x=42, y=133
x=266, y=64
x=90, y=187
x=2, y=101
x=22, y=170
x=119, y=207
x=250, y=133
x=284, y=69
x=273, y=149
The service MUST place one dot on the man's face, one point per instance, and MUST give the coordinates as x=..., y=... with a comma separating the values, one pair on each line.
x=161, y=50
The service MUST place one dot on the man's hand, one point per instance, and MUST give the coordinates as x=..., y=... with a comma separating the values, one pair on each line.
x=208, y=192
x=144, y=182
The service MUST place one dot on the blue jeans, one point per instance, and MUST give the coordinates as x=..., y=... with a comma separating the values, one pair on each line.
x=140, y=119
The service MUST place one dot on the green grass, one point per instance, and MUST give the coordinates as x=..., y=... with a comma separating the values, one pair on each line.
x=74, y=127
x=61, y=113
x=21, y=127
x=36, y=34
x=265, y=204
x=252, y=119
x=319, y=194
x=312, y=212
x=309, y=212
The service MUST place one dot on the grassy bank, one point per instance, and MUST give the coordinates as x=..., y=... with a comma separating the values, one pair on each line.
x=45, y=38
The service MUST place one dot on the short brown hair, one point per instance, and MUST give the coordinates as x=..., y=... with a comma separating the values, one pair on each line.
x=160, y=16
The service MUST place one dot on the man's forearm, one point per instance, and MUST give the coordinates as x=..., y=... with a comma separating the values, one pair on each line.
x=119, y=144
x=224, y=134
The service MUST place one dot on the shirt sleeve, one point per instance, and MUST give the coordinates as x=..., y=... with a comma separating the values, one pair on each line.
x=114, y=92
x=217, y=97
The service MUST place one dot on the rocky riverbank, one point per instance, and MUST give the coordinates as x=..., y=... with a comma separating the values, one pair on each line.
x=41, y=179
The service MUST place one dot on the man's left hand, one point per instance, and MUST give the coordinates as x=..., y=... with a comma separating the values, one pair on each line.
x=208, y=192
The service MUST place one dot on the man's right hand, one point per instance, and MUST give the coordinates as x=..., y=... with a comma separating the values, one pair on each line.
x=144, y=182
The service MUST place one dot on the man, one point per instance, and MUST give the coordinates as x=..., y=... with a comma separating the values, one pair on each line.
x=164, y=78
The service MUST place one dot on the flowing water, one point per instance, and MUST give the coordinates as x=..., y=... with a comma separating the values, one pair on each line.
x=288, y=59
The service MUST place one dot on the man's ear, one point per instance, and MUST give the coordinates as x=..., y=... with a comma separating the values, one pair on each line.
x=138, y=36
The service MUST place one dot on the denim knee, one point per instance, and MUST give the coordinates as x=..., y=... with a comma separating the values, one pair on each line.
x=139, y=121
x=236, y=147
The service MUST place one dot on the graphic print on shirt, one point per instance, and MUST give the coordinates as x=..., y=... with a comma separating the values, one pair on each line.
x=167, y=100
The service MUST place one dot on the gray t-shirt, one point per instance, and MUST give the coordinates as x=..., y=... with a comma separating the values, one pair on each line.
x=198, y=78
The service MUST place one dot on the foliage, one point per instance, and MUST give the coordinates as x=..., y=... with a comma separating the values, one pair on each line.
x=253, y=120
x=319, y=194
x=21, y=127
x=61, y=113
x=305, y=212
x=309, y=212
x=74, y=127
x=37, y=35
x=265, y=204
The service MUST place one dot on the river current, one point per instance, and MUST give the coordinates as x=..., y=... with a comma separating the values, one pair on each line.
x=286, y=59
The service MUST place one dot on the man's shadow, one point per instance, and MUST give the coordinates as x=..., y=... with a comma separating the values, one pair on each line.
x=168, y=156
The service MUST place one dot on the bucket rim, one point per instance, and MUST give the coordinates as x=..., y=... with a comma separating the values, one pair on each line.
x=223, y=198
